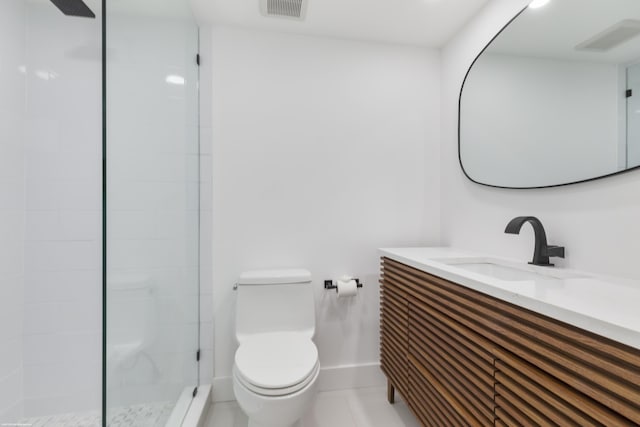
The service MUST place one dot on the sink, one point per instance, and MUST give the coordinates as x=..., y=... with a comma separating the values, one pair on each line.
x=508, y=271
x=500, y=272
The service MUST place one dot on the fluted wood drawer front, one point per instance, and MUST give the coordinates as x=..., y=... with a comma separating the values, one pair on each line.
x=526, y=392
x=432, y=401
x=605, y=371
x=394, y=345
x=428, y=402
x=472, y=386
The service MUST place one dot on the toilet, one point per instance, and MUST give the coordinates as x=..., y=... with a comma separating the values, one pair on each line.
x=276, y=365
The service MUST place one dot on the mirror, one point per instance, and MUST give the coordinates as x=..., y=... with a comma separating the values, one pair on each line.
x=554, y=99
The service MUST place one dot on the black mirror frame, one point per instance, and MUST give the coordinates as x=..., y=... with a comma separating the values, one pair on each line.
x=460, y=128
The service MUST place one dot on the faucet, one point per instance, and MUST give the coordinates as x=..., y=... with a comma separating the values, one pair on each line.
x=542, y=251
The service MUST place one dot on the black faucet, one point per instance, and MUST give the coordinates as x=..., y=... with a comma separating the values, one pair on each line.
x=542, y=251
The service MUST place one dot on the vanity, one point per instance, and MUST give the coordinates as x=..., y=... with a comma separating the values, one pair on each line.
x=470, y=340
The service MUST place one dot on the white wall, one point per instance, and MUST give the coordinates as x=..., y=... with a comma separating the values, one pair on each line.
x=323, y=151
x=62, y=291
x=12, y=197
x=597, y=221
x=523, y=115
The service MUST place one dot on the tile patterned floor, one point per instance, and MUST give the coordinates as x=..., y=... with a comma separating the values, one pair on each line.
x=147, y=415
x=366, y=407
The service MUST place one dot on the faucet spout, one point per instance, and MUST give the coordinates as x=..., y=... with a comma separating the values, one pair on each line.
x=542, y=251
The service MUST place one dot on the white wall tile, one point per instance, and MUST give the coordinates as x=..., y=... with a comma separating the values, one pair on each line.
x=42, y=225
x=42, y=135
x=206, y=335
x=11, y=356
x=79, y=401
x=61, y=379
x=11, y=391
x=63, y=225
x=11, y=321
x=60, y=347
x=12, y=201
x=63, y=286
x=14, y=412
x=206, y=309
x=44, y=196
x=81, y=225
x=62, y=317
x=62, y=255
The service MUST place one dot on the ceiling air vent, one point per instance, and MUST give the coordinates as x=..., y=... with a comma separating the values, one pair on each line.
x=612, y=37
x=292, y=9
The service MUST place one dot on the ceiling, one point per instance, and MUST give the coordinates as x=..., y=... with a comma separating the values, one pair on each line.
x=419, y=22
x=554, y=31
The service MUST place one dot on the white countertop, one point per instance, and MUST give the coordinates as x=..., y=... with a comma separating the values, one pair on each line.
x=605, y=306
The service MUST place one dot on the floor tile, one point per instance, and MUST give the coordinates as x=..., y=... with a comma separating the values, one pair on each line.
x=370, y=408
x=329, y=410
x=366, y=407
x=226, y=414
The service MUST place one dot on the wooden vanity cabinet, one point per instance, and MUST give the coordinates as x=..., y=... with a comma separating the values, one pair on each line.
x=463, y=358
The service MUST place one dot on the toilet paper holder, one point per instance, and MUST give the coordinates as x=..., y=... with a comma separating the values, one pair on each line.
x=328, y=284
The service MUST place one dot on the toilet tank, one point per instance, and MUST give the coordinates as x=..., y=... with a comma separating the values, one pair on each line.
x=275, y=301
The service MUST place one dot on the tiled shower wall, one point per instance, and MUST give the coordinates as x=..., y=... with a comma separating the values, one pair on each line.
x=12, y=195
x=50, y=213
x=63, y=140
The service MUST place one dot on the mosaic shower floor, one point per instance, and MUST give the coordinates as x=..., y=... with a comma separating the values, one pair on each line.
x=146, y=415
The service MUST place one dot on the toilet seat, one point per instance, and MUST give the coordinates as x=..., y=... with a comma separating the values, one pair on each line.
x=276, y=364
x=275, y=392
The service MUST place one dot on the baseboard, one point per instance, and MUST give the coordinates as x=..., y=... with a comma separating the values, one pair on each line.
x=222, y=389
x=351, y=376
x=331, y=378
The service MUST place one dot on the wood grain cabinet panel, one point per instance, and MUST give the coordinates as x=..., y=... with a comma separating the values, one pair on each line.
x=394, y=341
x=463, y=358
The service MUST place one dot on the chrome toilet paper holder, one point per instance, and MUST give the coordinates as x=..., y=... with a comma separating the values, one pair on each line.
x=329, y=284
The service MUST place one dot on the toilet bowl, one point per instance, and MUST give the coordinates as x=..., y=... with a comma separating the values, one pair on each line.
x=274, y=378
x=276, y=366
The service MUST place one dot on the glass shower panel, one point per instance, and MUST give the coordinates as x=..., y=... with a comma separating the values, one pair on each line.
x=152, y=211
x=50, y=215
x=633, y=116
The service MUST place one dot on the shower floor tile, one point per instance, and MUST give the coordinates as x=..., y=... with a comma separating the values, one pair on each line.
x=146, y=415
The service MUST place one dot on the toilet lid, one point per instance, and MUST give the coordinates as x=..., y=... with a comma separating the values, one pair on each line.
x=276, y=360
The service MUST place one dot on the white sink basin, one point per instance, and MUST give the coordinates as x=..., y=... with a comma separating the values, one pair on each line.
x=506, y=271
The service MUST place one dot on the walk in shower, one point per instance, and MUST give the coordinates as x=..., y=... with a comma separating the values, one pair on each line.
x=99, y=212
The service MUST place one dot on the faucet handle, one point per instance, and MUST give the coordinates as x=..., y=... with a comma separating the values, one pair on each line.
x=555, y=251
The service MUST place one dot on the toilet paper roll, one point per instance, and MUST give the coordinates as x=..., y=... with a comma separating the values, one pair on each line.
x=348, y=288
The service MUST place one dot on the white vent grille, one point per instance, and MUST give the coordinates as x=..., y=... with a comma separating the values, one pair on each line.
x=612, y=37
x=293, y=9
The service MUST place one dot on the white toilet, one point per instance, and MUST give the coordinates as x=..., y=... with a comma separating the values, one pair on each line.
x=276, y=365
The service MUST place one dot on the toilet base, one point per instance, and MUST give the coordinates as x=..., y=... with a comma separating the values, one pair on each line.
x=275, y=411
